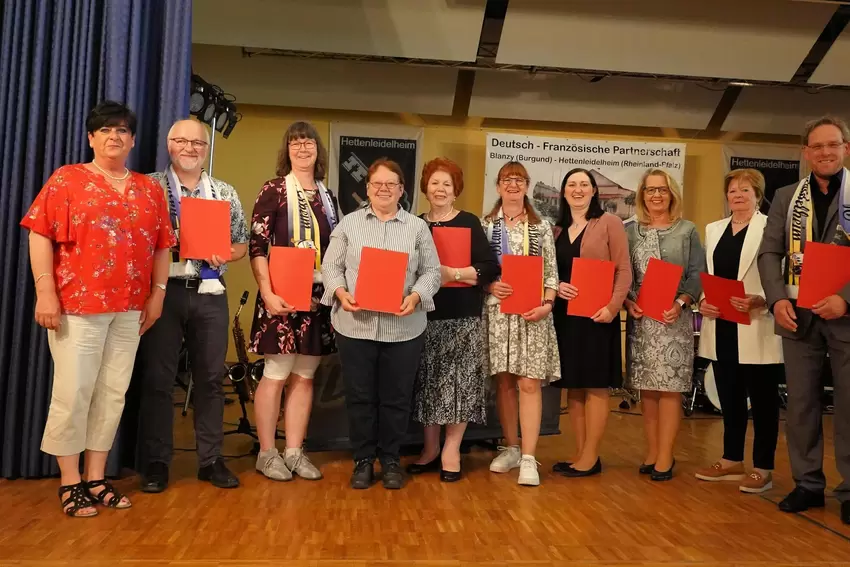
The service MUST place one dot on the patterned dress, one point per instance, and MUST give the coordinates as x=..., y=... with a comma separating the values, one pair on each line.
x=295, y=333
x=659, y=357
x=515, y=345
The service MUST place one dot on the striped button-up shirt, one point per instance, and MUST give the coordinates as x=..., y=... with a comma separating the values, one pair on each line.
x=340, y=264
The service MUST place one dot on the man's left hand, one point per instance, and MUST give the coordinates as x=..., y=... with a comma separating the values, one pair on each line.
x=833, y=307
x=152, y=310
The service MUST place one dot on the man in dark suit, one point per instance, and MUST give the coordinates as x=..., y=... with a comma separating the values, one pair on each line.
x=815, y=209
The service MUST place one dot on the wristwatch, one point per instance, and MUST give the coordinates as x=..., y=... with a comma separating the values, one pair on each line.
x=681, y=303
x=457, y=275
x=547, y=302
x=161, y=286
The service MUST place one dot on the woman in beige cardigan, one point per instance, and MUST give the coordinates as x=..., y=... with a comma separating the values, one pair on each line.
x=590, y=348
x=747, y=359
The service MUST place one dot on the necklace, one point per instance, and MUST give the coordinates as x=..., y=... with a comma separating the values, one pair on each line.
x=444, y=217
x=106, y=173
x=741, y=221
x=515, y=217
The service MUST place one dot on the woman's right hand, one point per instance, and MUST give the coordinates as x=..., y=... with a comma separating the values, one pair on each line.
x=276, y=305
x=501, y=290
x=346, y=301
x=708, y=310
x=633, y=309
x=567, y=291
x=48, y=310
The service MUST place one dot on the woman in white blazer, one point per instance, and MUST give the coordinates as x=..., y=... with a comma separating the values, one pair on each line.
x=747, y=359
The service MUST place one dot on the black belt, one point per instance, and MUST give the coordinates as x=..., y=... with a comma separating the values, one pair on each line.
x=188, y=283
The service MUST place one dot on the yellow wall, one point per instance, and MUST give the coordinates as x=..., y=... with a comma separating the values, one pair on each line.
x=247, y=158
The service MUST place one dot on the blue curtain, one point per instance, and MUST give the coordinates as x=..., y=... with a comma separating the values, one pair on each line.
x=58, y=58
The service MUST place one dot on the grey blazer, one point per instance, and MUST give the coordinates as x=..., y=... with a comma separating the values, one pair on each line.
x=680, y=246
x=772, y=254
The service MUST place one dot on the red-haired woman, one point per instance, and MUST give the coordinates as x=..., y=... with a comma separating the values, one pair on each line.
x=523, y=348
x=450, y=384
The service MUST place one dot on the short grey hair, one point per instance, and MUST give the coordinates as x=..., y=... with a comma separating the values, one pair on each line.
x=202, y=125
x=827, y=120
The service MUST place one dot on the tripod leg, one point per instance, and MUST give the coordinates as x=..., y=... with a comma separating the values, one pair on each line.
x=188, y=395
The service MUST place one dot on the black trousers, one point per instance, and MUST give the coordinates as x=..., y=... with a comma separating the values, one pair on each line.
x=378, y=381
x=761, y=383
x=203, y=320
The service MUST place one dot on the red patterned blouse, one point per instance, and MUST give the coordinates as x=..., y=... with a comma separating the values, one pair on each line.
x=104, y=241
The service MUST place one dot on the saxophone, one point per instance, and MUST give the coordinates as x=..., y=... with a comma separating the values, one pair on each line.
x=238, y=372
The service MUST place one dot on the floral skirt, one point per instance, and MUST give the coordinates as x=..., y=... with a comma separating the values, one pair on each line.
x=451, y=381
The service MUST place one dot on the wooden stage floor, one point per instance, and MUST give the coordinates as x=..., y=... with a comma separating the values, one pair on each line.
x=616, y=518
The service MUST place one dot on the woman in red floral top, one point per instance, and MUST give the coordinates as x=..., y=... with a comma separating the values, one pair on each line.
x=294, y=209
x=99, y=249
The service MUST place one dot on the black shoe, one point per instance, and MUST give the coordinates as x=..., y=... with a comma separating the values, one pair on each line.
x=155, y=478
x=575, y=473
x=431, y=466
x=392, y=474
x=363, y=475
x=845, y=513
x=450, y=476
x=218, y=475
x=561, y=466
x=657, y=475
x=800, y=500
x=646, y=469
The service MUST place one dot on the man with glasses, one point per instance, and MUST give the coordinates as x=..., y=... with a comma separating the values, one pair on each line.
x=195, y=306
x=817, y=209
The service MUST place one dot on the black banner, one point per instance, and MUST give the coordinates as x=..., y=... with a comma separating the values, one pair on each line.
x=777, y=174
x=356, y=154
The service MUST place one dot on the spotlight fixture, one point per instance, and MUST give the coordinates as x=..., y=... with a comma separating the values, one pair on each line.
x=211, y=105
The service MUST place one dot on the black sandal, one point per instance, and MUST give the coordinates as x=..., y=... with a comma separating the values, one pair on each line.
x=80, y=499
x=115, y=497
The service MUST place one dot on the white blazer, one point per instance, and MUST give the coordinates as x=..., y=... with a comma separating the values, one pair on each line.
x=757, y=343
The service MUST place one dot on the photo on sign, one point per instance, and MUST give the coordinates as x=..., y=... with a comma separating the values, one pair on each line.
x=616, y=166
x=357, y=153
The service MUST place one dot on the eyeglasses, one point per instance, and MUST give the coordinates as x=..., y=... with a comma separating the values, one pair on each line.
x=830, y=146
x=508, y=181
x=391, y=185
x=306, y=144
x=181, y=142
x=654, y=190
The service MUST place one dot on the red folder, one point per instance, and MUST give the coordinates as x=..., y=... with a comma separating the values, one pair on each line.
x=380, y=280
x=454, y=247
x=525, y=275
x=826, y=269
x=291, y=272
x=595, y=282
x=204, y=229
x=719, y=292
x=658, y=290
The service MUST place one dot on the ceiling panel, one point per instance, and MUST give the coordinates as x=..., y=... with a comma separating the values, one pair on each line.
x=834, y=68
x=783, y=110
x=614, y=100
x=424, y=29
x=742, y=39
x=314, y=83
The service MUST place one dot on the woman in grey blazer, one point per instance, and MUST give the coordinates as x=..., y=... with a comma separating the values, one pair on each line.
x=660, y=355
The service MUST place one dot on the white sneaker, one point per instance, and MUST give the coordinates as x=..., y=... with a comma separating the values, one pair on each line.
x=271, y=464
x=508, y=459
x=528, y=471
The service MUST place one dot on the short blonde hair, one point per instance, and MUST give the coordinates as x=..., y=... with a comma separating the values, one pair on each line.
x=675, y=196
x=753, y=176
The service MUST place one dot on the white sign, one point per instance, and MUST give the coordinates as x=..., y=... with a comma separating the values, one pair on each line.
x=617, y=167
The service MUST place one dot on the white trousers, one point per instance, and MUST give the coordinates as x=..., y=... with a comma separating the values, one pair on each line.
x=93, y=358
